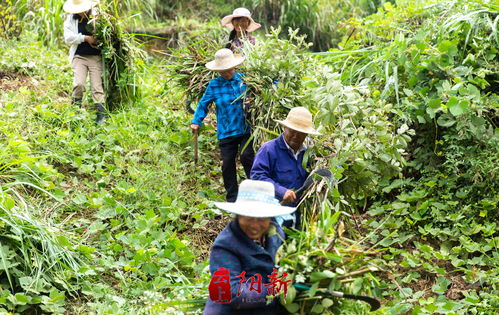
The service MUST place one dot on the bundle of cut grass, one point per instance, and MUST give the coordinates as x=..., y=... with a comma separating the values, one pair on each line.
x=274, y=69
x=188, y=64
x=121, y=57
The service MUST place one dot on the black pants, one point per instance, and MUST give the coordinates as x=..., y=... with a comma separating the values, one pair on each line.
x=229, y=148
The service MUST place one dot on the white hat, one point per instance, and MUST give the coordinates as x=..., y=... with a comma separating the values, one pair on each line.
x=256, y=199
x=299, y=119
x=225, y=59
x=240, y=12
x=78, y=6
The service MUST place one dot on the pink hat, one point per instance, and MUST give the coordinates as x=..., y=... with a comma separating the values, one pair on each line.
x=240, y=12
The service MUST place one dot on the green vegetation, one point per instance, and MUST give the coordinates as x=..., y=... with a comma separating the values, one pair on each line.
x=117, y=219
x=9, y=25
x=111, y=187
x=121, y=57
x=320, y=20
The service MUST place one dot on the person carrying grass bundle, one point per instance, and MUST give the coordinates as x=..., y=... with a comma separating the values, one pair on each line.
x=280, y=161
x=84, y=56
x=246, y=250
x=240, y=25
x=233, y=129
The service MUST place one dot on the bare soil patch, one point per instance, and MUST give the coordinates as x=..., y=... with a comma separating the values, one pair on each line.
x=203, y=236
x=13, y=81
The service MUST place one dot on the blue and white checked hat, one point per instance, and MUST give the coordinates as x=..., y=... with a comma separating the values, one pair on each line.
x=255, y=199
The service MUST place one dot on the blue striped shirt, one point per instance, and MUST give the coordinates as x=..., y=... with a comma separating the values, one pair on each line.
x=226, y=94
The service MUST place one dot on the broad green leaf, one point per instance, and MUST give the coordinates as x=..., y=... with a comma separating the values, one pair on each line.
x=358, y=285
x=290, y=296
x=440, y=286
x=406, y=292
x=472, y=300
x=9, y=203
x=85, y=249
x=459, y=108
x=316, y=276
x=58, y=193
x=313, y=289
x=79, y=199
x=22, y=299
x=317, y=309
x=26, y=282
x=445, y=121
x=431, y=308
x=435, y=103
x=452, y=101
x=292, y=308
x=448, y=46
x=327, y=302
x=412, y=81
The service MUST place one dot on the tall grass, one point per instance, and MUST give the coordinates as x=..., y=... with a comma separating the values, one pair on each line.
x=37, y=257
x=320, y=20
x=31, y=246
x=45, y=18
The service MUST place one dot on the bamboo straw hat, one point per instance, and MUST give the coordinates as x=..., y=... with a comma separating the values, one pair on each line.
x=225, y=59
x=299, y=119
x=78, y=6
x=255, y=198
x=240, y=12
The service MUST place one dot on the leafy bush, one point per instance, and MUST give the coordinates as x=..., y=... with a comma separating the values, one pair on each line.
x=364, y=143
x=434, y=61
x=363, y=139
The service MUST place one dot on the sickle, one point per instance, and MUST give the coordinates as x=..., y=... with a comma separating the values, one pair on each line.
x=374, y=303
x=196, y=131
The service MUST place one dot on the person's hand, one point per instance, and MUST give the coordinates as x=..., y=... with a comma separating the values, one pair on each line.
x=289, y=197
x=91, y=40
x=194, y=127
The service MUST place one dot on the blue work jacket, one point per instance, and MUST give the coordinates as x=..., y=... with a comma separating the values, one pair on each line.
x=227, y=96
x=234, y=250
x=275, y=163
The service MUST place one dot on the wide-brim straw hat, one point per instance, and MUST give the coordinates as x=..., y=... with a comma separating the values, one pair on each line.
x=256, y=199
x=240, y=12
x=225, y=59
x=78, y=6
x=299, y=119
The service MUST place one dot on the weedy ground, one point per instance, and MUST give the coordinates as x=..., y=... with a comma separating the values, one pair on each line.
x=127, y=194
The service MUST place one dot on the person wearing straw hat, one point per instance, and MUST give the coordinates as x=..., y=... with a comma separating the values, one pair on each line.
x=246, y=247
x=233, y=129
x=84, y=56
x=279, y=161
x=240, y=23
